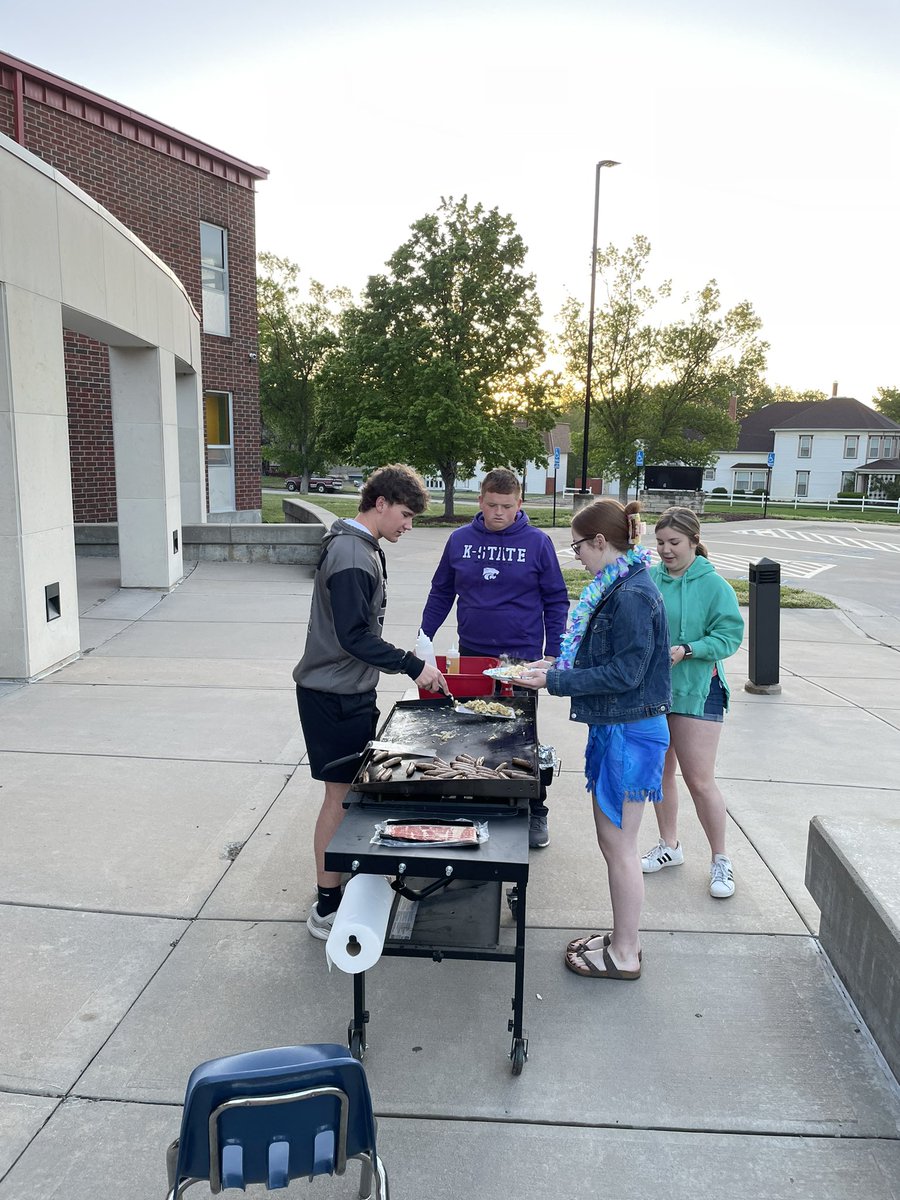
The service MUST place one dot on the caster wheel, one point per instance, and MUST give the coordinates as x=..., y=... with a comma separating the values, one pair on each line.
x=519, y=1056
x=356, y=1043
x=512, y=901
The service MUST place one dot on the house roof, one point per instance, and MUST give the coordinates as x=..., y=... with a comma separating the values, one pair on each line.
x=746, y=466
x=559, y=435
x=881, y=466
x=757, y=427
x=837, y=412
x=26, y=81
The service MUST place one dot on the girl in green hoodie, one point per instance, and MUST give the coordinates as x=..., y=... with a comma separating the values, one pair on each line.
x=706, y=626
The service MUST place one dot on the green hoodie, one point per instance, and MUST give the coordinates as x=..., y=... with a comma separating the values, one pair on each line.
x=703, y=613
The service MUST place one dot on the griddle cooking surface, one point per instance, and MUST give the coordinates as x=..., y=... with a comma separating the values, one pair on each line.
x=439, y=728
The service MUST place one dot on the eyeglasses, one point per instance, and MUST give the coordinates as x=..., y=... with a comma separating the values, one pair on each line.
x=575, y=545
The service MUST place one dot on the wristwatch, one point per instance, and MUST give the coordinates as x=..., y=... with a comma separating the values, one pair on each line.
x=688, y=652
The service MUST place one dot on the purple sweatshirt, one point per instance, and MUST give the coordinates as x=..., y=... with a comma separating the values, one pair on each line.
x=511, y=596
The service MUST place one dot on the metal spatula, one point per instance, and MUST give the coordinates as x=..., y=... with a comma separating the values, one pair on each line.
x=393, y=748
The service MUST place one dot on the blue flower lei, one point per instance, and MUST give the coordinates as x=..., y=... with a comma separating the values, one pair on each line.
x=591, y=597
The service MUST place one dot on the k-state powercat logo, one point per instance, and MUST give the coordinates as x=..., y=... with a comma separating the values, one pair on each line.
x=490, y=572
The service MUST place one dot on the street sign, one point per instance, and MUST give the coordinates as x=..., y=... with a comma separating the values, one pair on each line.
x=556, y=458
x=771, y=459
x=639, y=458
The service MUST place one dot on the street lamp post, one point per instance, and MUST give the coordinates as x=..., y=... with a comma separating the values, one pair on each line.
x=606, y=162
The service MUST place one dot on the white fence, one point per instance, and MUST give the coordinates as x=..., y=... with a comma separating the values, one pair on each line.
x=863, y=505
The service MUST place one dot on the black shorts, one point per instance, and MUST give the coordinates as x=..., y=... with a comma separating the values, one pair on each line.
x=334, y=726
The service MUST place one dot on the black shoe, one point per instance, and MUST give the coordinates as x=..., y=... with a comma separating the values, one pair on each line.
x=538, y=833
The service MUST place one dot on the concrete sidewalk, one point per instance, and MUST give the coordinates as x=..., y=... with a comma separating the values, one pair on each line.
x=156, y=872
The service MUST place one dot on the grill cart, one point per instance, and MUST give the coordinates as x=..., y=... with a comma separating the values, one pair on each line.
x=448, y=898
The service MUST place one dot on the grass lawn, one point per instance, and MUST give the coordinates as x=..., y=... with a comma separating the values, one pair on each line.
x=786, y=512
x=791, y=597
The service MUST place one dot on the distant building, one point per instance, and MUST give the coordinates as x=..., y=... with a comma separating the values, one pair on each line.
x=821, y=448
x=538, y=479
x=194, y=207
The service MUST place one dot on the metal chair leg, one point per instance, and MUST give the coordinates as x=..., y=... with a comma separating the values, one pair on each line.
x=372, y=1172
x=365, y=1177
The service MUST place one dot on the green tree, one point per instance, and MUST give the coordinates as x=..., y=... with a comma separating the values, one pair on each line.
x=297, y=336
x=664, y=385
x=441, y=365
x=887, y=401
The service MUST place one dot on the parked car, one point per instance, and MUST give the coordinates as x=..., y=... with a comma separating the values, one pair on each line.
x=317, y=483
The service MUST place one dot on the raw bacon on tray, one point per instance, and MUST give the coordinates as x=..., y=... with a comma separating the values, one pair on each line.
x=432, y=833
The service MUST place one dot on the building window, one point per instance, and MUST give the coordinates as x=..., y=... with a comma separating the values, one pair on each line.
x=750, y=481
x=804, y=448
x=709, y=473
x=891, y=446
x=214, y=276
x=848, y=481
x=801, y=487
x=874, y=447
x=851, y=445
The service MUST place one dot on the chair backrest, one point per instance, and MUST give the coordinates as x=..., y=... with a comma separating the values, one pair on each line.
x=269, y=1116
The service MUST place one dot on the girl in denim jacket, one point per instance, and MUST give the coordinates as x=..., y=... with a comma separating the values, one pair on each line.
x=614, y=664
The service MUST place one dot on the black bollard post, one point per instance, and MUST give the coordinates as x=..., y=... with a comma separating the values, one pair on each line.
x=764, y=632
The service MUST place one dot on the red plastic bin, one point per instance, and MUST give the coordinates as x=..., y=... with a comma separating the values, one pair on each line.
x=469, y=681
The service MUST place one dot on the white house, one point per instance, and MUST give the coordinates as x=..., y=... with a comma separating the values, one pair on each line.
x=538, y=480
x=821, y=448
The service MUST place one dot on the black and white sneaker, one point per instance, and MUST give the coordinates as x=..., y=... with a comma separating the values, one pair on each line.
x=661, y=856
x=721, y=877
x=319, y=927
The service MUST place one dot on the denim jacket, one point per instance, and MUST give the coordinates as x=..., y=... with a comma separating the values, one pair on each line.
x=621, y=670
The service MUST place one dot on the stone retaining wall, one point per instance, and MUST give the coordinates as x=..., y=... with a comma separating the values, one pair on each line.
x=853, y=874
x=218, y=542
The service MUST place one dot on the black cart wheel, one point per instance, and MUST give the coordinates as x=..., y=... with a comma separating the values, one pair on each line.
x=519, y=1055
x=356, y=1042
x=512, y=901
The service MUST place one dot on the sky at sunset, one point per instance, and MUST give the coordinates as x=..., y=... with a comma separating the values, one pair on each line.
x=758, y=143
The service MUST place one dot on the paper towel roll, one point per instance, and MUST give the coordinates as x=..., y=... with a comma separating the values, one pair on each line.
x=360, y=926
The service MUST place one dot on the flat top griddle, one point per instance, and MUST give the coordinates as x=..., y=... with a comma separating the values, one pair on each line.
x=440, y=728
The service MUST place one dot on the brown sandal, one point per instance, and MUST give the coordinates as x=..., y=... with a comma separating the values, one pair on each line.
x=580, y=943
x=590, y=971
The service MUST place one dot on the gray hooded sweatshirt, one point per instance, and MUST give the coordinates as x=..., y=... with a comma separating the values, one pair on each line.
x=345, y=651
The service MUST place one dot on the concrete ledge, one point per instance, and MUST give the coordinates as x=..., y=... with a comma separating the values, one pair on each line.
x=219, y=542
x=853, y=874
x=302, y=512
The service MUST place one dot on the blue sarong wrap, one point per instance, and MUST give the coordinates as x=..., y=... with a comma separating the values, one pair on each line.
x=625, y=762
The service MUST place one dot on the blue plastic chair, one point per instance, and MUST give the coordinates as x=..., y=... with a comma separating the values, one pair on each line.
x=271, y=1116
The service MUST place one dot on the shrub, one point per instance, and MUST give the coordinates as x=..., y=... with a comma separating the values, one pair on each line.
x=719, y=491
x=849, y=495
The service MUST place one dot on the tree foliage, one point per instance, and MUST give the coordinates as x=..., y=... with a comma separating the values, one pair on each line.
x=441, y=364
x=297, y=336
x=887, y=401
x=666, y=385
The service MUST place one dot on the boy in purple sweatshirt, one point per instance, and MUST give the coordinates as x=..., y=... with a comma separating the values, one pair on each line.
x=510, y=594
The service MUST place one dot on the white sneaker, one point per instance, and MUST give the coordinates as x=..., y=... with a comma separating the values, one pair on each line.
x=661, y=856
x=319, y=927
x=721, y=877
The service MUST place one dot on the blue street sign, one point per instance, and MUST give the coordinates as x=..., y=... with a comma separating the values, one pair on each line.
x=556, y=458
x=771, y=459
x=639, y=458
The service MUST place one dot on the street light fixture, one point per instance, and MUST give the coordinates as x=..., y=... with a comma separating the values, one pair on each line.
x=606, y=162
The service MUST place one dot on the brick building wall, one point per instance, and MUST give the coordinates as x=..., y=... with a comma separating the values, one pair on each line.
x=163, y=199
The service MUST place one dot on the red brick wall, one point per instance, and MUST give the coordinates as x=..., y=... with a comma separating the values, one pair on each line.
x=90, y=429
x=162, y=200
x=6, y=112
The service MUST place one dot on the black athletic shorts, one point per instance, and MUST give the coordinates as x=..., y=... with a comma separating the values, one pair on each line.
x=334, y=726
